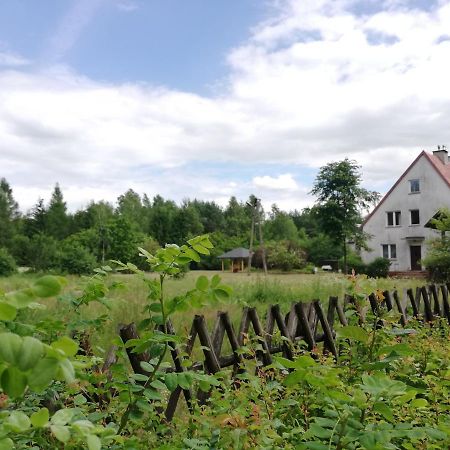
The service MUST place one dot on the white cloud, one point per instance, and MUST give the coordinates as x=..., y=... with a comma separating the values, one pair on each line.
x=316, y=83
x=281, y=183
x=10, y=59
x=127, y=6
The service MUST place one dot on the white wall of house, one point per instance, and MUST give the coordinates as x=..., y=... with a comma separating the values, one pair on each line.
x=434, y=194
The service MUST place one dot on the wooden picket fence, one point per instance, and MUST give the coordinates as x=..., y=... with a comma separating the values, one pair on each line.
x=306, y=321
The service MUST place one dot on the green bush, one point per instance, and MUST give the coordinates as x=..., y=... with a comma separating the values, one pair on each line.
x=76, y=259
x=354, y=262
x=378, y=268
x=7, y=263
x=437, y=261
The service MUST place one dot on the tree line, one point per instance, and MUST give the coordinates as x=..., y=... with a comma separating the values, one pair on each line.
x=50, y=237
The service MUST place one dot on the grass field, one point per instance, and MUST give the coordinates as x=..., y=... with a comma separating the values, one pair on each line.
x=255, y=290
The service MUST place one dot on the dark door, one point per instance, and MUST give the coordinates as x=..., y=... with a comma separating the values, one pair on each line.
x=416, y=256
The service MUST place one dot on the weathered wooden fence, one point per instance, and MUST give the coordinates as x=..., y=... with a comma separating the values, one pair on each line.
x=305, y=321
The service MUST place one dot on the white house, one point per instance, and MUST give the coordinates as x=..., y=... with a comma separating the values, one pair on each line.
x=397, y=224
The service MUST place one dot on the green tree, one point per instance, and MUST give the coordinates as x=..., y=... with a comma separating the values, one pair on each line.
x=186, y=223
x=35, y=220
x=56, y=218
x=211, y=215
x=237, y=218
x=340, y=201
x=280, y=226
x=160, y=221
x=131, y=208
x=9, y=213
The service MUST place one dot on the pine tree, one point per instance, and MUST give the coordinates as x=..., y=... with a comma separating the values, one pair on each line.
x=57, y=220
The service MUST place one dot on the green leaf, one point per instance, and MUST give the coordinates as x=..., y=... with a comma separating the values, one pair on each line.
x=353, y=332
x=43, y=373
x=215, y=280
x=206, y=242
x=40, y=418
x=67, y=370
x=155, y=307
x=158, y=384
x=200, y=249
x=192, y=254
x=146, y=366
x=384, y=410
x=202, y=283
x=419, y=403
x=93, y=442
x=62, y=433
x=6, y=444
x=171, y=381
x=14, y=382
x=7, y=312
x=184, y=380
x=18, y=422
x=10, y=346
x=222, y=292
x=62, y=416
x=21, y=298
x=68, y=346
x=47, y=286
x=152, y=394
x=31, y=351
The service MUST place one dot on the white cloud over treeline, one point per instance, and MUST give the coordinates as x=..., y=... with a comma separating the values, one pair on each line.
x=320, y=81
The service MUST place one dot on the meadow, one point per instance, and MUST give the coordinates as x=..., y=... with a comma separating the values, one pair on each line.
x=127, y=300
x=55, y=393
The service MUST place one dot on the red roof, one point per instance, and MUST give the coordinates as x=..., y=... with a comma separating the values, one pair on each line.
x=442, y=169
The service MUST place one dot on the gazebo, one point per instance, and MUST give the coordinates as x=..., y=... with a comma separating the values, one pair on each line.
x=237, y=257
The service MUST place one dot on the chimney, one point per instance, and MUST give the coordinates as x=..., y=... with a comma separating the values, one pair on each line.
x=441, y=153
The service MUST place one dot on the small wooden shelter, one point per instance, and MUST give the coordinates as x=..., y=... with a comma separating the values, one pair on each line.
x=237, y=257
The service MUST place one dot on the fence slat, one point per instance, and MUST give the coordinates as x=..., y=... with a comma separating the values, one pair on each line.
x=287, y=343
x=329, y=342
x=264, y=355
x=301, y=311
x=445, y=304
x=403, y=318
x=413, y=301
x=427, y=305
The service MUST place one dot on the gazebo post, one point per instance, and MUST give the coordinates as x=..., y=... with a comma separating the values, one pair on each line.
x=222, y=266
x=242, y=264
x=231, y=264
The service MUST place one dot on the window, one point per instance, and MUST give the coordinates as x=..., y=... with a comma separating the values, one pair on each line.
x=393, y=218
x=415, y=217
x=389, y=251
x=414, y=186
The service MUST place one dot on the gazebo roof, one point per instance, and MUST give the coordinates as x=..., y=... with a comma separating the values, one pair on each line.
x=235, y=254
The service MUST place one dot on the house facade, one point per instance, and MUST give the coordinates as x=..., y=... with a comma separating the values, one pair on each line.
x=397, y=224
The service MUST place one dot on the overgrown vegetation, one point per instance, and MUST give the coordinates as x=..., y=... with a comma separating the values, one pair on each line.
x=58, y=393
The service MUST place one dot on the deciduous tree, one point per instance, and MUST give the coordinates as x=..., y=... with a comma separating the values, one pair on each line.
x=340, y=202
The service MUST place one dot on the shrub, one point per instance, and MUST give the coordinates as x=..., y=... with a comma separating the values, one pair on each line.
x=7, y=263
x=437, y=261
x=378, y=268
x=76, y=259
x=354, y=262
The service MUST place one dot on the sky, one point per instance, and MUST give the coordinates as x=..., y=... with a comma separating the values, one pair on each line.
x=212, y=98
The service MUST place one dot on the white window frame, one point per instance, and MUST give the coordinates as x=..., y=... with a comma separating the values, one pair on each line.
x=391, y=251
x=396, y=218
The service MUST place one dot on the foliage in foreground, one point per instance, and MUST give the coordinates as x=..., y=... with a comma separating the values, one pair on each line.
x=389, y=388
